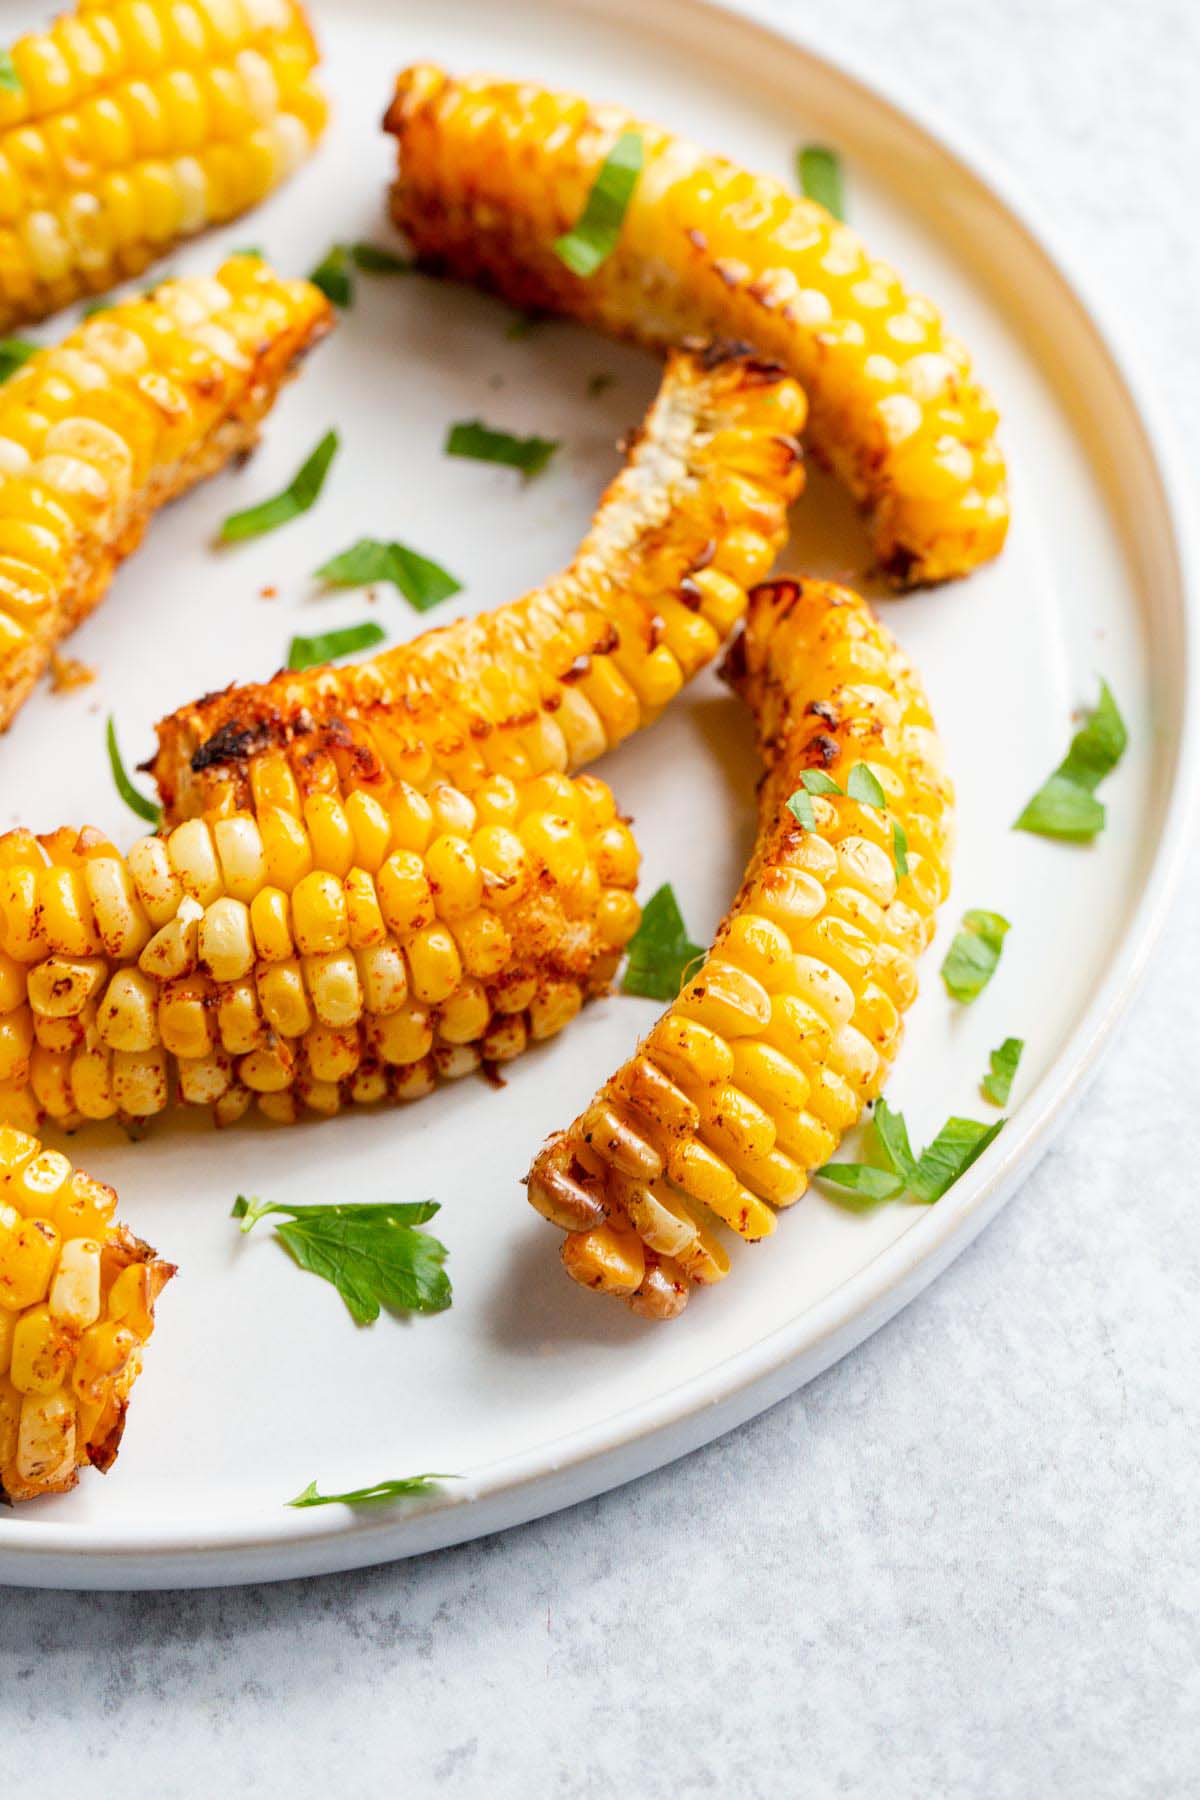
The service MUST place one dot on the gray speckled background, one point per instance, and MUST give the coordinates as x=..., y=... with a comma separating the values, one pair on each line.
x=965, y=1561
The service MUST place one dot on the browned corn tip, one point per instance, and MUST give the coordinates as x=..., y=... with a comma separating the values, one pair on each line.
x=490, y=173
x=328, y=945
x=133, y=127
x=77, y=1296
x=133, y=407
x=577, y=665
x=748, y=1081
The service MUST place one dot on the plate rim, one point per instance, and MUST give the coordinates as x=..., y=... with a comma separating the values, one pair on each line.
x=544, y=1478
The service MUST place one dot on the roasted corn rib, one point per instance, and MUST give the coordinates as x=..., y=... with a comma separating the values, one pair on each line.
x=491, y=173
x=136, y=405
x=773, y=1048
x=77, y=1294
x=135, y=124
x=551, y=681
x=383, y=876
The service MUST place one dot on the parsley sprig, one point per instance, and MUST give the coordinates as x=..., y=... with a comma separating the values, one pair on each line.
x=1065, y=806
x=379, y=1491
x=958, y=1144
x=660, y=950
x=373, y=1253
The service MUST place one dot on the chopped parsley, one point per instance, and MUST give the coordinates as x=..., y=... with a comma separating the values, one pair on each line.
x=593, y=237
x=473, y=439
x=973, y=954
x=1065, y=806
x=899, y=849
x=372, y=1253
x=820, y=173
x=660, y=951
x=137, y=802
x=300, y=493
x=14, y=354
x=307, y=652
x=862, y=784
x=403, y=1488
x=10, y=81
x=997, y=1083
x=422, y=582
x=333, y=273
x=927, y=1177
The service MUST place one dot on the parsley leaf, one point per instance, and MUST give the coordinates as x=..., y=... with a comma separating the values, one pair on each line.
x=899, y=849
x=307, y=652
x=660, y=950
x=1065, y=805
x=422, y=582
x=862, y=784
x=927, y=1177
x=974, y=953
x=593, y=237
x=864, y=1179
x=820, y=172
x=957, y=1145
x=997, y=1083
x=332, y=276
x=300, y=493
x=473, y=439
x=10, y=81
x=379, y=1491
x=371, y=1253
x=812, y=781
x=14, y=353
x=892, y=1133
x=136, y=802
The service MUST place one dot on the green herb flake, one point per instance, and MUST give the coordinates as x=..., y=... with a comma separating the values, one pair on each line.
x=332, y=276
x=892, y=1133
x=374, y=259
x=380, y=1491
x=255, y=250
x=1065, y=805
x=301, y=493
x=820, y=173
x=862, y=784
x=871, y=1185
x=10, y=81
x=660, y=951
x=973, y=955
x=599, y=383
x=373, y=1254
x=478, y=442
x=801, y=808
x=899, y=849
x=422, y=582
x=593, y=238
x=136, y=802
x=307, y=652
x=14, y=354
x=957, y=1145
x=997, y=1083
x=812, y=781
x=927, y=1177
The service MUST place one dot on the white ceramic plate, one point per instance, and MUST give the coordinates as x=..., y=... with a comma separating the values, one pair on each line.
x=538, y=1393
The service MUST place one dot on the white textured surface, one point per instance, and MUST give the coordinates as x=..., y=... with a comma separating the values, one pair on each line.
x=965, y=1561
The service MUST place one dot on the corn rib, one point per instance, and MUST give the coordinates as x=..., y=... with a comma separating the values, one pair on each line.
x=137, y=124
x=132, y=408
x=77, y=1294
x=774, y=1047
x=491, y=173
x=696, y=516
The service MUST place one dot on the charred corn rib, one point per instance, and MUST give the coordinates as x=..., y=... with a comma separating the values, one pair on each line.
x=77, y=1294
x=491, y=173
x=350, y=939
x=551, y=681
x=140, y=402
x=771, y=1051
x=137, y=124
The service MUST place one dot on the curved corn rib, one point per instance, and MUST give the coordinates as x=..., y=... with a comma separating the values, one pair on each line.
x=491, y=173
x=134, y=126
x=345, y=942
x=77, y=1294
x=771, y=1051
x=139, y=403
x=697, y=514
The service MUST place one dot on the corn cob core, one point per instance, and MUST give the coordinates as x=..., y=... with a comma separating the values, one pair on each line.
x=133, y=407
x=138, y=124
x=77, y=1294
x=571, y=669
x=491, y=173
x=771, y=1051
x=348, y=938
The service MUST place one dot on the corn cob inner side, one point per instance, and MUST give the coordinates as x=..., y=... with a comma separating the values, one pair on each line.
x=774, y=1047
x=361, y=929
x=77, y=1294
x=136, y=125
x=491, y=173
x=697, y=514
x=136, y=405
